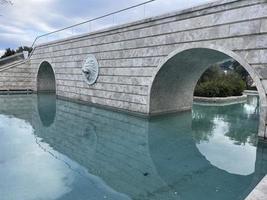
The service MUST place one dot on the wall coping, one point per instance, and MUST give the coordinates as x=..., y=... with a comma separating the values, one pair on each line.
x=251, y=92
x=221, y=100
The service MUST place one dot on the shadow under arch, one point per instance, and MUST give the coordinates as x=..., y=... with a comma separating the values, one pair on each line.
x=46, y=94
x=176, y=76
x=46, y=81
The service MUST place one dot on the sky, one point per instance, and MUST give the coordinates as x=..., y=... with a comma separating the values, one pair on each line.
x=22, y=21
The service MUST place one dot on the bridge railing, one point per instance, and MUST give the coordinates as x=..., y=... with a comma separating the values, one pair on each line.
x=134, y=13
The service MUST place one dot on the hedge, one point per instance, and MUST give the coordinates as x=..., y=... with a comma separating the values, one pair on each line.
x=223, y=86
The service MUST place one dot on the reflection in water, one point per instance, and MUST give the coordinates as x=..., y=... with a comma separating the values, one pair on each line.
x=47, y=108
x=233, y=115
x=16, y=138
x=251, y=108
x=90, y=153
x=239, y=159
x=225, y=128
x=28, y=171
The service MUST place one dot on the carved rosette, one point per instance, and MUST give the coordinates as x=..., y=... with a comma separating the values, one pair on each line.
x=90, y=69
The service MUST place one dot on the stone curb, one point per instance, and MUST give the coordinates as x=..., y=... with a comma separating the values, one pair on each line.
x=231, y=99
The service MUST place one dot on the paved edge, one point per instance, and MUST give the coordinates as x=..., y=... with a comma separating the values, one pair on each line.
x=260, y=191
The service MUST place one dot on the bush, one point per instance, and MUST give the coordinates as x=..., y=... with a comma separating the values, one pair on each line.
x=223, y=86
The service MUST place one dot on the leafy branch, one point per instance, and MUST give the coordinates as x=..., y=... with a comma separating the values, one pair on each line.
x=3, y=2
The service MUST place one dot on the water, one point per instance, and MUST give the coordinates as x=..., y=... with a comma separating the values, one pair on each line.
x=57, y=150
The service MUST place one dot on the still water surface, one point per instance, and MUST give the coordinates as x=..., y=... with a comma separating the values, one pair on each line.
x=57, y=150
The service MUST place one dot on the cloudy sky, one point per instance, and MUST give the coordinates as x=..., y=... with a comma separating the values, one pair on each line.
x=21, y=22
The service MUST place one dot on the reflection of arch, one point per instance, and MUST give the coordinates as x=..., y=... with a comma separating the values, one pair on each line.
x=186, y=170
x=46, y=103
x=176, y=77
x=160, y=154
x=224, y=127
x=46, y=81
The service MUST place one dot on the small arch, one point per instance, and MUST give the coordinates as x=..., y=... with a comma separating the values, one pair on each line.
x=46, y=90
x=176, y=76
x=46, y=81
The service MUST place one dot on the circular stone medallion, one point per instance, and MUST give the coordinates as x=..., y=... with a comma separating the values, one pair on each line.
x=90, y=69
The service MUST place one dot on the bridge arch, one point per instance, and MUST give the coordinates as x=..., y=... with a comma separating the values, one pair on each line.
x=46, y=81
x=175, y=78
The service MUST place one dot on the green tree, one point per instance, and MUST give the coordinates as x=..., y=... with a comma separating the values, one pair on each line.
x=211, y=73
x=2, y=2
x=8, y=52
x=243, y=74
x=222, y=85
x=23, y=48
x=5, y=2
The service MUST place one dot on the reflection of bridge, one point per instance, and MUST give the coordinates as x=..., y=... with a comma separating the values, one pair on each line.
x=151, y=66
x=145, y=157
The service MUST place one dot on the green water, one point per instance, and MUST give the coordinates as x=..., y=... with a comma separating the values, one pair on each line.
x=57, y=150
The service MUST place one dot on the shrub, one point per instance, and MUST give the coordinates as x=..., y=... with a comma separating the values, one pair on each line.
x=224, y=85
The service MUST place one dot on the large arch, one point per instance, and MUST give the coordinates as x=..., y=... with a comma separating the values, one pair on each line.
x=176, y=76
x=46, y=81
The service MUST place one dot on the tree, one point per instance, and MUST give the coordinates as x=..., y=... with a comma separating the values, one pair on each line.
x=3, y=2
x=10, y=52
x=23, y=48
x=222, y=80
x=243, y=74
x=211, y=73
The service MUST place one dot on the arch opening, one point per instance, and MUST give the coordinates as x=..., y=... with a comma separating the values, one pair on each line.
x=46, y=82
x=46, y=90
x=174, y=81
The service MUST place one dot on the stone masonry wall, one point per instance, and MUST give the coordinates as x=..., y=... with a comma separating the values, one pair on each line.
x=128, y=55
x=17, y=76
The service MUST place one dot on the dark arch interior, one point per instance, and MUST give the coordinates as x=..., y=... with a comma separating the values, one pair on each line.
x=46, y=79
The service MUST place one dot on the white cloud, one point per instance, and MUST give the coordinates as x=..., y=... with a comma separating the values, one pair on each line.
x=22, y=22
x=2, y=52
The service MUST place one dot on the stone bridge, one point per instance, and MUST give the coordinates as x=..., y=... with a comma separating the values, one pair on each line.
x=151, y=66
